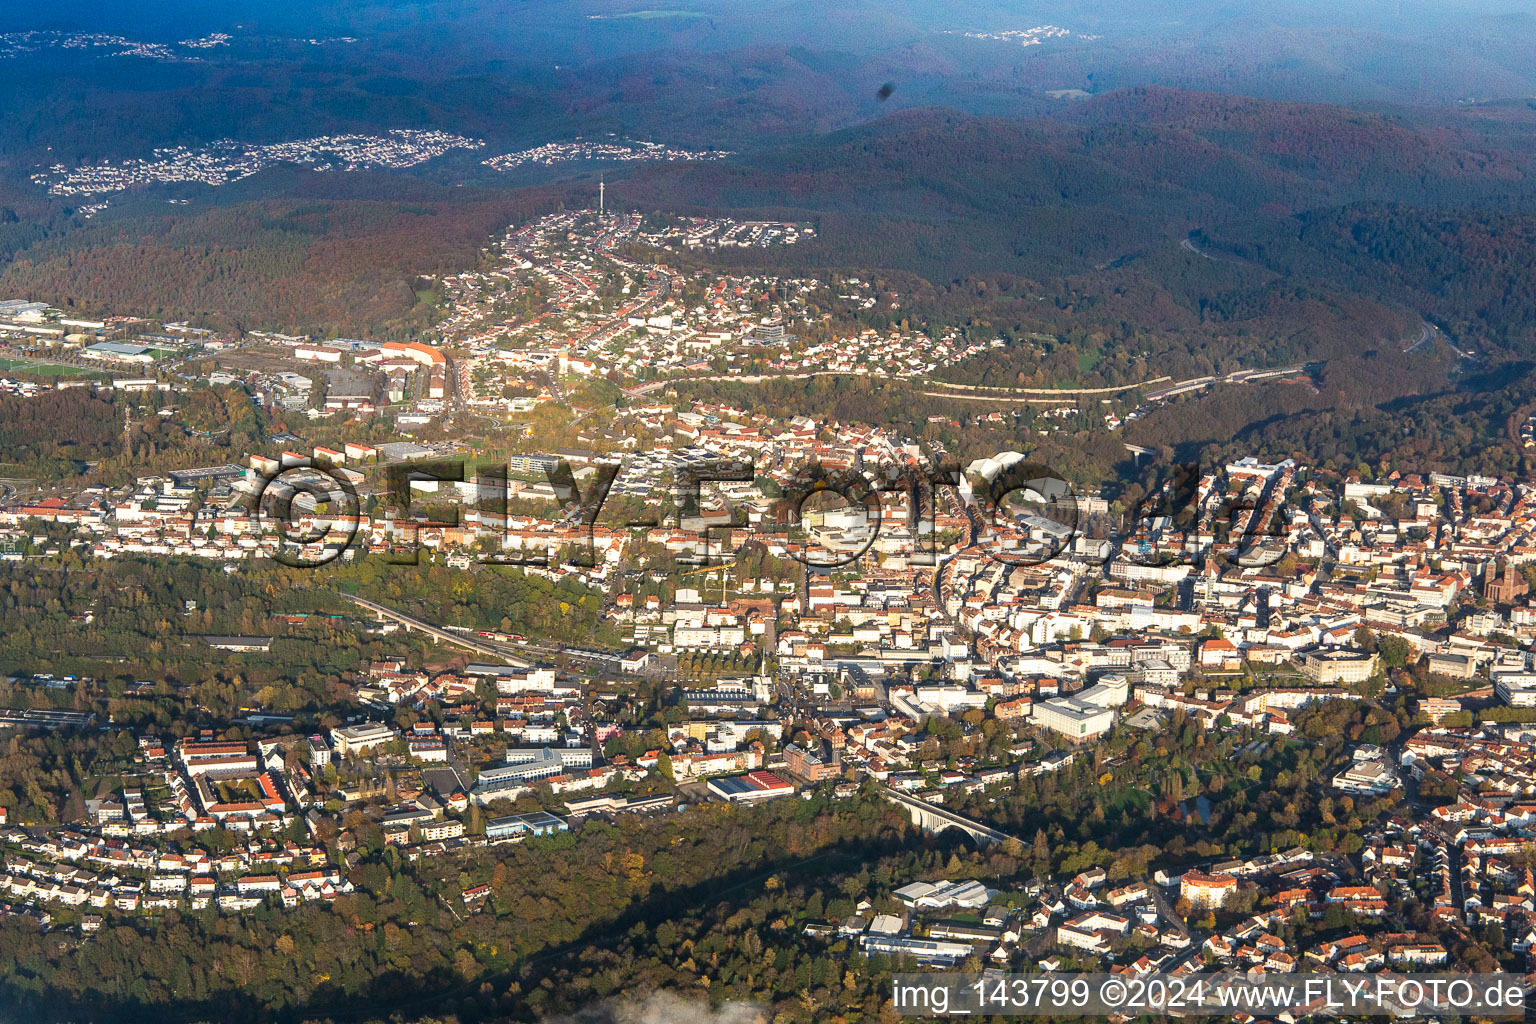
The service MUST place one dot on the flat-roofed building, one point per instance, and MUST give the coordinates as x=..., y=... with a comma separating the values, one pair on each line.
x=1077, y=720
x=520, y=826
x=356, y=739
x=1338, y=664
x=749, y=788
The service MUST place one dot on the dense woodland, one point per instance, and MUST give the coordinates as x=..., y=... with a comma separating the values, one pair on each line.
x=89, y=437
x=1116, y=178
x=127, y=620
x=57, y=426
x=1468, y=424
x=1467, y=269
x=321, y=266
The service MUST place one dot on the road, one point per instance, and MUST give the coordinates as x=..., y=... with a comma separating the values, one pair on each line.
x=971, y=391
x=1161, y=902
x=1454, y=863
x=1428, y=331
x=1189, y=246
x=1426, y=335
x=1167, y=387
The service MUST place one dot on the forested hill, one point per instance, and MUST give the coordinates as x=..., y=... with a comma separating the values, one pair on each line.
x=1387, y=205
x=1406, y=156
x=296, y=264
x=1467, y=268
x=946, y=194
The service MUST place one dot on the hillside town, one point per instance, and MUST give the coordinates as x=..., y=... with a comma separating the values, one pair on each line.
x=610, y=150
x=18, y=44
x=822, y=609
x=227, y=161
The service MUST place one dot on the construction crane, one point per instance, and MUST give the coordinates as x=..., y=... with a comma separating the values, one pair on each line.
x=707, y=568
x=713, y=568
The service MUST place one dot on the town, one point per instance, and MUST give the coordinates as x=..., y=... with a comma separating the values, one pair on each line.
x=617, y=150
x=820, y=514
x=971, y=629
x=14, y=44
x=226, y=161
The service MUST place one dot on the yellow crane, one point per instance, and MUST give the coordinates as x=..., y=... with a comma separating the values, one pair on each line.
x=713, y=568
x=707, y=568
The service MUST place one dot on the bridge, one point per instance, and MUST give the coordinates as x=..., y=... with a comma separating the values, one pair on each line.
x=469, y=643
x=935, y=819
x=606, y=660
x=1137, y=451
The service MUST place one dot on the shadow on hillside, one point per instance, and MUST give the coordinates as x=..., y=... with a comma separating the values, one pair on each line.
x=397, y=996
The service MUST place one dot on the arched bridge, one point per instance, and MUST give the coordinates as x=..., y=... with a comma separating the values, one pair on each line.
x=933, y=818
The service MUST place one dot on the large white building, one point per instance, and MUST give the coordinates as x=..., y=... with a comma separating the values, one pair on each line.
x=1369, y=774
x=698, y=635
x=355, y=739
x=1110, y=691
x=1204, y=890
x=1073, y=718
x=1514, y=682
x=1088, y=714
x=1337, y=664
x=526, y=765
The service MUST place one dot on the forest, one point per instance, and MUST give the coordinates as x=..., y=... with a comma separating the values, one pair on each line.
x=57, y=427
x=127, y=620
x=311, y=265
x=115, y=437
x=1114, y=179
x=1466, y=269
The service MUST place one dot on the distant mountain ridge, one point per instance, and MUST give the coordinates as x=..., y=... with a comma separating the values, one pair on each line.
x=1317, y=140
x=1104, y=187
x=951, y=194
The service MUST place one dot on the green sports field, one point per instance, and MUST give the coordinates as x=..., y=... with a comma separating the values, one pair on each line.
x=41, y=369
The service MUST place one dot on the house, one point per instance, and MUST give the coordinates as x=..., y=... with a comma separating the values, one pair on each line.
x=1218, y=654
